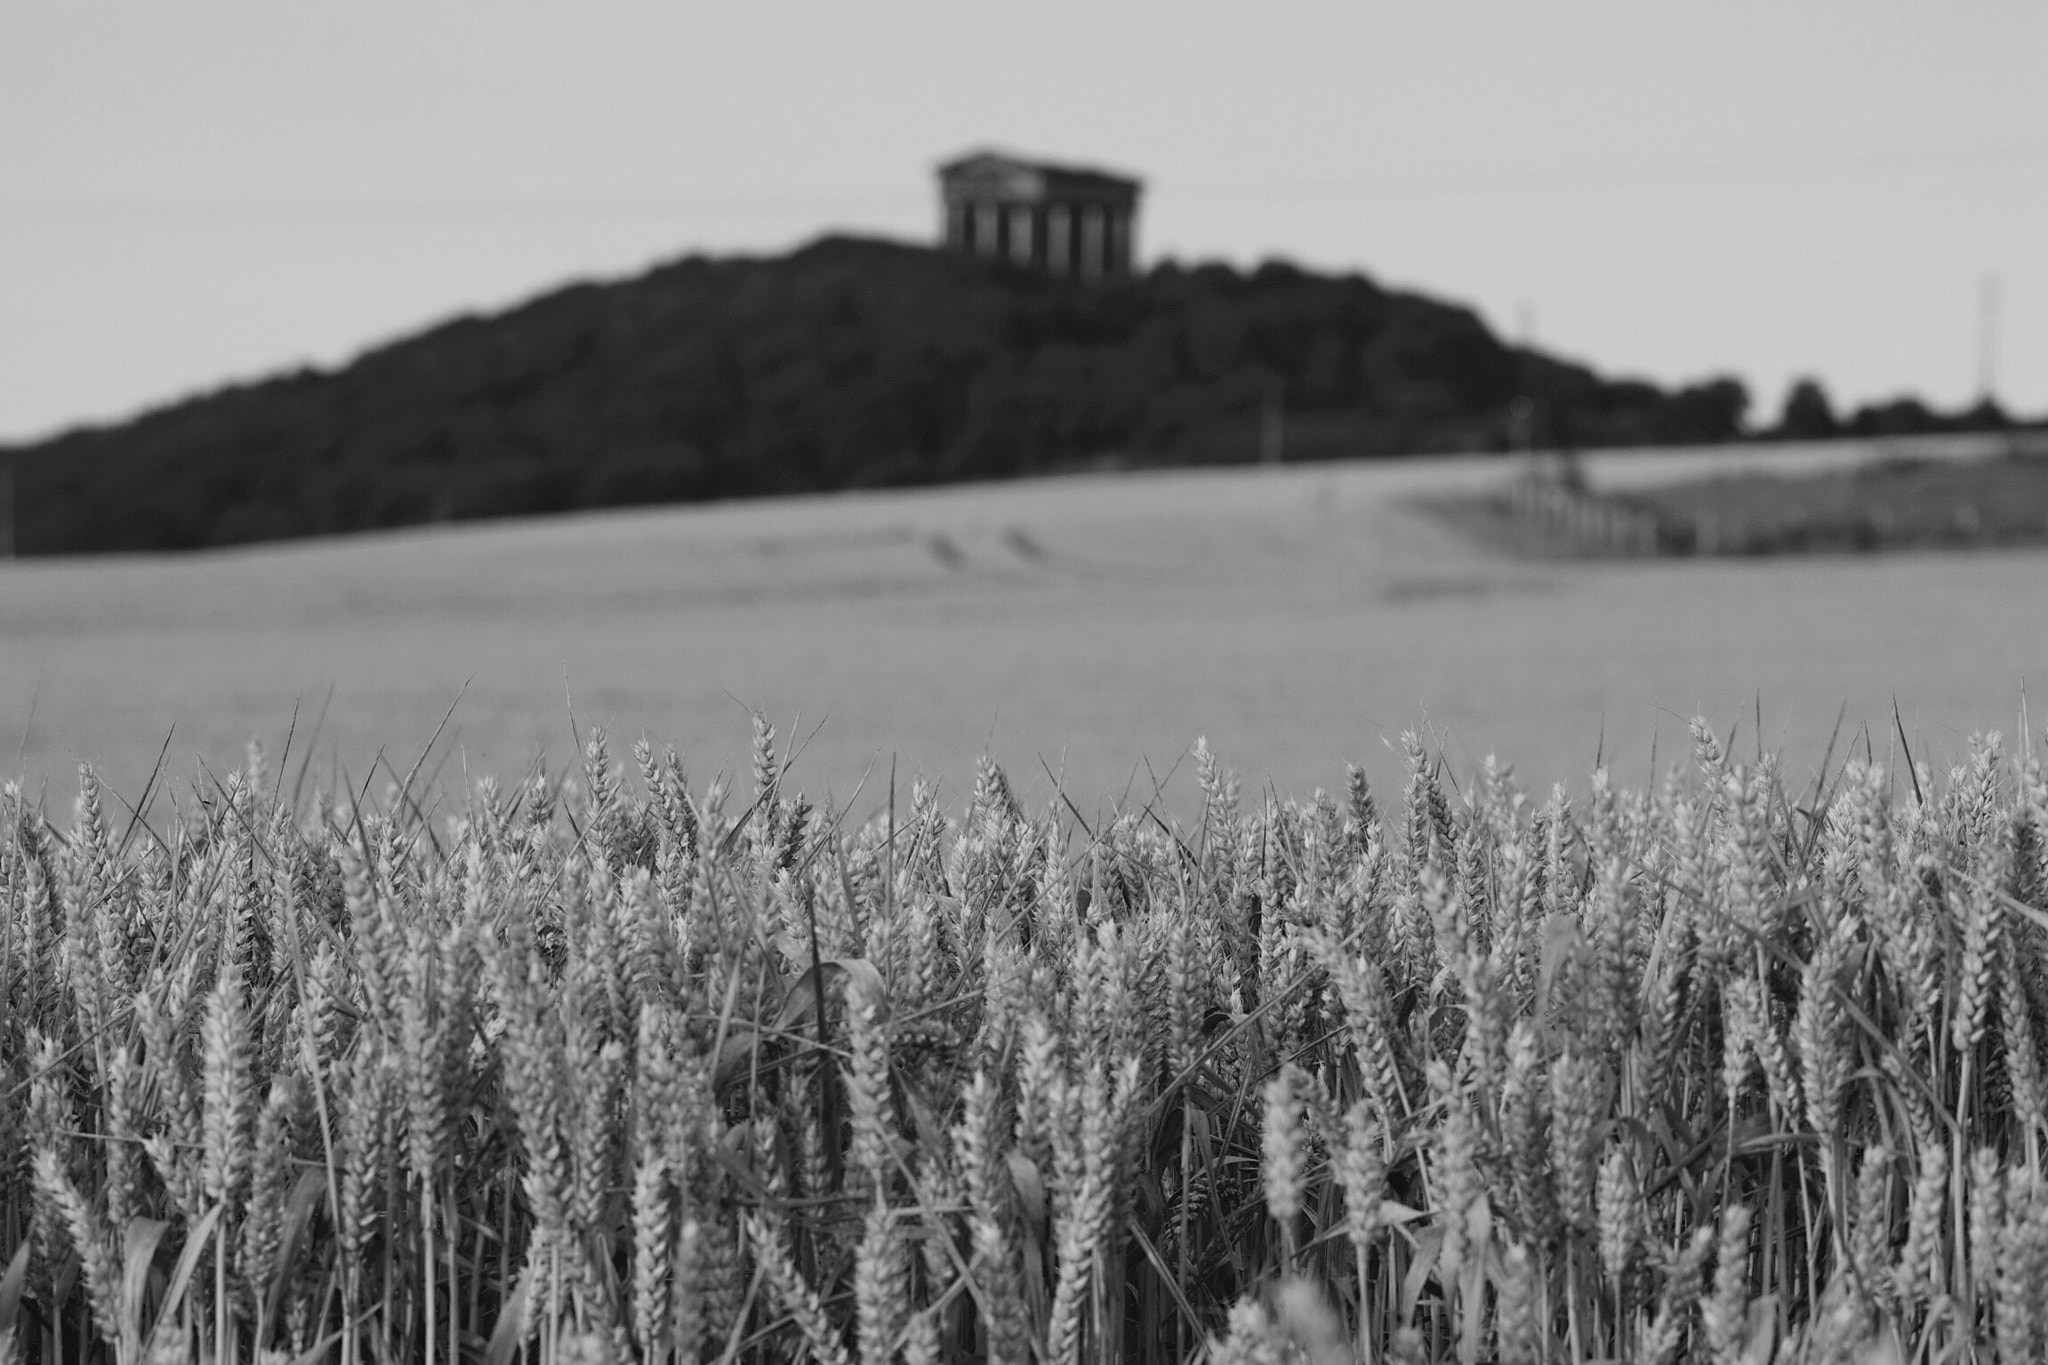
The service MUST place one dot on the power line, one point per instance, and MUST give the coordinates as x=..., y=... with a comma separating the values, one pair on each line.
x=320, y=210
x=1560, y=179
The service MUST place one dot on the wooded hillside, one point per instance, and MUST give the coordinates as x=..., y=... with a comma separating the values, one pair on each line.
x=847, y=363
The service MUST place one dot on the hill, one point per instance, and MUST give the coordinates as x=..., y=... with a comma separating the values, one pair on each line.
x=847, y=363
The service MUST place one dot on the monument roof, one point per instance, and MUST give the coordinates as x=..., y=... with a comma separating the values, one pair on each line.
x=1001, y=175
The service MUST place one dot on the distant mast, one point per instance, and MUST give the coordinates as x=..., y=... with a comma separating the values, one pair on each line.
x=1987, y=339
x=1064, y=220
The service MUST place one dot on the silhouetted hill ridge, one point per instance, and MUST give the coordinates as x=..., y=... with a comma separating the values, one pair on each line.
x=850, y=362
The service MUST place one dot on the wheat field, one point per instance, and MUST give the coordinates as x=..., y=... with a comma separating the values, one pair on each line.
x=1088, y=626
x=994, y=1019
x=614, y=1066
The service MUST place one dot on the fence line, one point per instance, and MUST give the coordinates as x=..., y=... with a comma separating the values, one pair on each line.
x=1588, y=521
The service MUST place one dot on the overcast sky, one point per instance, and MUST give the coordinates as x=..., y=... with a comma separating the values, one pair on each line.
x=196, y=193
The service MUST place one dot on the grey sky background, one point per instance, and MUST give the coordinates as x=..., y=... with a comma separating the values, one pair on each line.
x=200, y=193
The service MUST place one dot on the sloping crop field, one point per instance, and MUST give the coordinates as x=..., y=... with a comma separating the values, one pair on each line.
x=1100, y=1051
x=1895, y=505
x=1093, y=627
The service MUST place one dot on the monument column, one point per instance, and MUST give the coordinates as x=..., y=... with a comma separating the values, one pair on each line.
x=1023, y=241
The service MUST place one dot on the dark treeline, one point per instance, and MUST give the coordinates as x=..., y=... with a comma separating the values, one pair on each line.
x=848, y=363
x=1810, y=416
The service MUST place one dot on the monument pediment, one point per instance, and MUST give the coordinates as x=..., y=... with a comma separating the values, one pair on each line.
x=993, y=175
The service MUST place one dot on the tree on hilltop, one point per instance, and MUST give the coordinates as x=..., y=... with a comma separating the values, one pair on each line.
x=1808, y=415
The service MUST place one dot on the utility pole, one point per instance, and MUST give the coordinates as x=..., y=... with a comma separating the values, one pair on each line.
x=1273, y=425
x=1522, y=409
x=1987, y=338
x=1522, y=425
